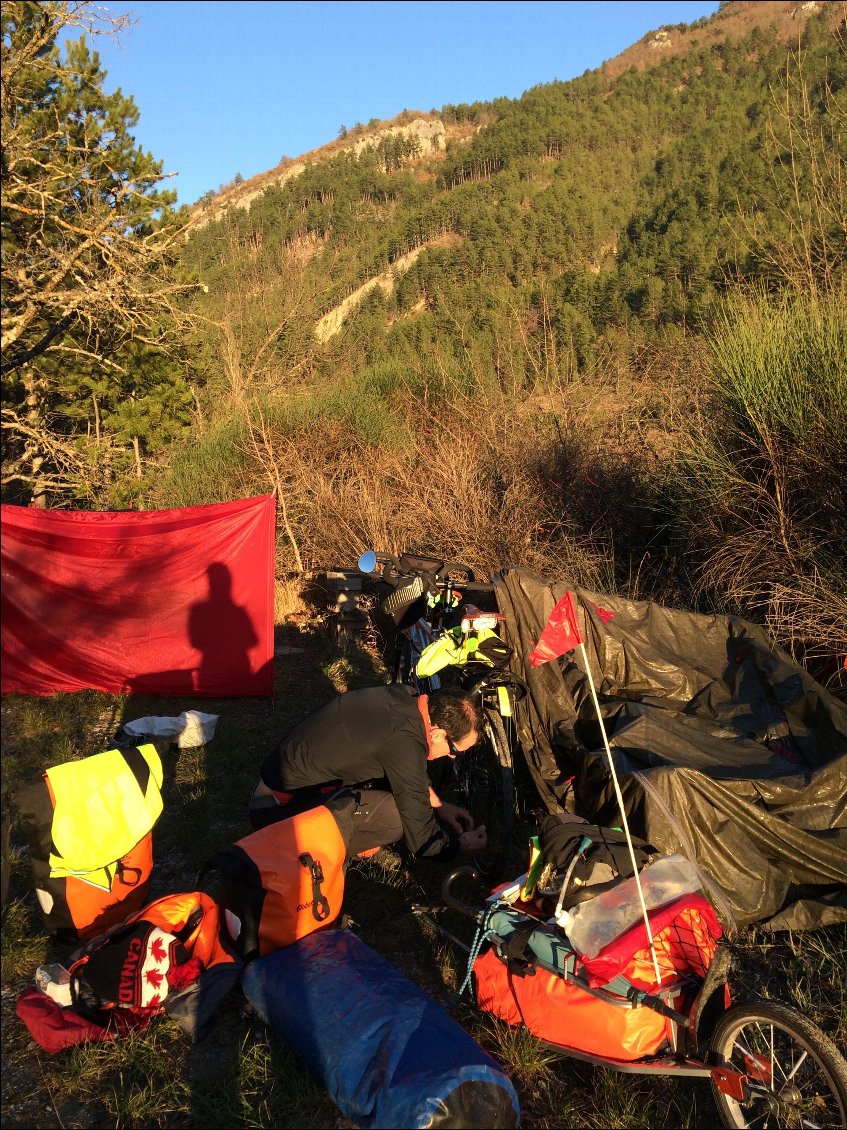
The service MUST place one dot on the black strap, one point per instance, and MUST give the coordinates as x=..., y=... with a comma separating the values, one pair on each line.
x=519, y=959
x=191, y=923
x=137, y=764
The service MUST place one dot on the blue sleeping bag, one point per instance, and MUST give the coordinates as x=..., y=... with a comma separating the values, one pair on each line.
x=385, y=1052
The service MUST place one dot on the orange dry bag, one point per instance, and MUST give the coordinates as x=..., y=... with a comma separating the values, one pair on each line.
x=282, y=882
x=89, y=828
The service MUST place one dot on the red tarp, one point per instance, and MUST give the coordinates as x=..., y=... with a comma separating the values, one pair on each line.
x=167, y=602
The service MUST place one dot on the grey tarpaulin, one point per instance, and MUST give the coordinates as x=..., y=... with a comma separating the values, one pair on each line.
x=726, y=750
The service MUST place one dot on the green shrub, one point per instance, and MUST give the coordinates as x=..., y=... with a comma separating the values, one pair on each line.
x=765, y=481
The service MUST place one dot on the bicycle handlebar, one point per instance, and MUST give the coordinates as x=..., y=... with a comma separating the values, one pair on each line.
x=449, y=899
x=396, y=570
x=470, y=586
x=391, y=570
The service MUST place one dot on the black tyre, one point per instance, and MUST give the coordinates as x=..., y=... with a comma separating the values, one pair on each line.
x=505, y=775
x=796, y=1076
x=403, y=669
x=485, y=783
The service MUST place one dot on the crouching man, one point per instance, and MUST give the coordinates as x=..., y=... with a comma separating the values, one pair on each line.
x=378, y=741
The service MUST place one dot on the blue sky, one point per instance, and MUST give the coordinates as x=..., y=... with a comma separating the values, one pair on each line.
x=231, y=87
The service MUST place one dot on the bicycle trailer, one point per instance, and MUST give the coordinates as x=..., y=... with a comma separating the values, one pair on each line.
x=611, y=1006
x=654, y=1003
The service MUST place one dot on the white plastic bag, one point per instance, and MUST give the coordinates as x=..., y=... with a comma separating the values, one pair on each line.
x=191, y=729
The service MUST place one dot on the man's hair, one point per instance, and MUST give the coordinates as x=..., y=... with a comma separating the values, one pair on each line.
x=454, y=712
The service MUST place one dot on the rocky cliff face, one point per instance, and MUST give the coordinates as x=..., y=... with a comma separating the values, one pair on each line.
x=428, y=133
x=733, y=20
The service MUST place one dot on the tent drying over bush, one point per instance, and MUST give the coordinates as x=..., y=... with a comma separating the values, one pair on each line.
x=725, y=749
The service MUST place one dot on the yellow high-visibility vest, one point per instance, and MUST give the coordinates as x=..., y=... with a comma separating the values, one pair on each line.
x=101, y=811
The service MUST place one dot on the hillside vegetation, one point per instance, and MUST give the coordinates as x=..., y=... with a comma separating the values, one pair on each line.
x=593, y=296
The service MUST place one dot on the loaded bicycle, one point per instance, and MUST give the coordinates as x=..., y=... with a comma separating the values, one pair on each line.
x=443, y=638
x=661, y=998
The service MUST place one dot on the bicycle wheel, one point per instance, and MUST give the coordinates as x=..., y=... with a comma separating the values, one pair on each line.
x=485, y=784
x=796, y=1076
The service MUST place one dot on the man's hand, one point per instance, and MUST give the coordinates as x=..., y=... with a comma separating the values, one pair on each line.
x=459, y=819
x=474, y=841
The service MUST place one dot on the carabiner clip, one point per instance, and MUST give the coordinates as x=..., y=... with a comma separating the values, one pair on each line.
x=320, y=903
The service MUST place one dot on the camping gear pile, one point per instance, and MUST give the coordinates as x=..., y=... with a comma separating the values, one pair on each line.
x=514, y=980
x=665, y=725
x=632, y=974
x=386, y=1053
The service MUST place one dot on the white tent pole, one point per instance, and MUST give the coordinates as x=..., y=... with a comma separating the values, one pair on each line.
x=619, y=796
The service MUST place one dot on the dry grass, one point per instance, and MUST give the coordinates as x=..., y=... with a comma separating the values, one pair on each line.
x=471, y=485
x=290, y=604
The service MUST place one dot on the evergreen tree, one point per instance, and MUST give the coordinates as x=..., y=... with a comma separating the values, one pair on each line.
x=87, y=250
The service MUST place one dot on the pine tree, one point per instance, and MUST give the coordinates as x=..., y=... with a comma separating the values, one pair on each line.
x=87, y=249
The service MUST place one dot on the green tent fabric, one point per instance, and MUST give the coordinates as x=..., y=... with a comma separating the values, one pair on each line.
x=726, y=750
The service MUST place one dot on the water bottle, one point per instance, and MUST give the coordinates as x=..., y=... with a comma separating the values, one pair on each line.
x=598, y=921
x=54, y=980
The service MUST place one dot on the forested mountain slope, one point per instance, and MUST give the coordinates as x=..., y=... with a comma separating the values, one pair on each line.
x=520, y=345
x=606, y=201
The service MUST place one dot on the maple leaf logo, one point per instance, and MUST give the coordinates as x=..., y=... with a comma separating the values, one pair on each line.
x=157, y=950
x=154, y=977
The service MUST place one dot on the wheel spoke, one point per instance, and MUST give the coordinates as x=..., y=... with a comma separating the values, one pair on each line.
x=790, y=1076
x=796, y=1076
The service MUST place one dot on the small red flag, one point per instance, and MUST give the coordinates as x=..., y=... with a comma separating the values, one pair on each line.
x=561, y=633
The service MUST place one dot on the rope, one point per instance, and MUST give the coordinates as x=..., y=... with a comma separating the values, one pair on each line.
x=619, y=797
x=476, y=945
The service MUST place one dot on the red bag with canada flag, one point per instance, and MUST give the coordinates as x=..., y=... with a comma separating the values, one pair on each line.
x=170, y=950
x=171, y=957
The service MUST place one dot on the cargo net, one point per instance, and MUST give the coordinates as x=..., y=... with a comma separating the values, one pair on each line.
x=685, y=937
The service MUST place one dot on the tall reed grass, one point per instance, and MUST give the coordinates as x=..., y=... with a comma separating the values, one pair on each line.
x=764, y=497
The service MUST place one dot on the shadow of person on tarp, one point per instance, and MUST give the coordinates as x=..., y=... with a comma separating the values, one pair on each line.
x=221, y=636
x=224, y=635
x=222, y=632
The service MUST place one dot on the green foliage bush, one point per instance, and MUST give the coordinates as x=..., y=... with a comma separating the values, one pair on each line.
x=551, y=270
